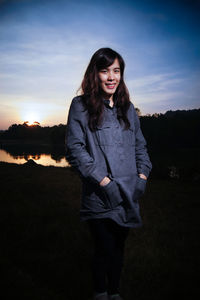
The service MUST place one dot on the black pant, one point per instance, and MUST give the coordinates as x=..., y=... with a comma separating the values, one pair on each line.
x=109, y=240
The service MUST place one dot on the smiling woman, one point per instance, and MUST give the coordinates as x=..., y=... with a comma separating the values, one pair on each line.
x=105, y=144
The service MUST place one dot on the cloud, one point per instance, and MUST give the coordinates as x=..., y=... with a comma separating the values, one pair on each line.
x=155, y=82
x=166, y=91
x=47, y=64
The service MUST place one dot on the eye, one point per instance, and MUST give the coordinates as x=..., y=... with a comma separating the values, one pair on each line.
x=103, y=71
x=117, y=70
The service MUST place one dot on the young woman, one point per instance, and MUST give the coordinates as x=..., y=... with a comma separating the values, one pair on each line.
x=105, y=144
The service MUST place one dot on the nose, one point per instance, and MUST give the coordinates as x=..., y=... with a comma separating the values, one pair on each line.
x=110, y=76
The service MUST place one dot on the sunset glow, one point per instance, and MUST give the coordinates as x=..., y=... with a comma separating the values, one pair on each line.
x=31, y=112
x=32, y=117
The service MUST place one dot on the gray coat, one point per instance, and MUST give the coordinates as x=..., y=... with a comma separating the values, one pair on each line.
x=109, y=151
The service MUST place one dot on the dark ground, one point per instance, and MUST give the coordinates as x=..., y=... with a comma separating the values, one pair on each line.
x=46, y=251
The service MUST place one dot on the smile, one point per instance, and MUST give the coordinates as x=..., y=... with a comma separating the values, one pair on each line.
x=110, y=85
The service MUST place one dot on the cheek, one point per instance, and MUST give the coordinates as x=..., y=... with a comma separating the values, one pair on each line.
x=102, y=78
x=117, y=78
x=101, y=84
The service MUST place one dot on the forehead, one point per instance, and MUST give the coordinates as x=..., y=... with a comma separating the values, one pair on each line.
x=115, y=65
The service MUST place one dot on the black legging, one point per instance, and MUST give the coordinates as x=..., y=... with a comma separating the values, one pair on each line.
x=109, y=240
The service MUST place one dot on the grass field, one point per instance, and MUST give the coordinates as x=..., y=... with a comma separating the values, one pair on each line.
x=46, y=251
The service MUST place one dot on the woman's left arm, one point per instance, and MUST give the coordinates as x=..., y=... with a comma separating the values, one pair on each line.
x=143, y=162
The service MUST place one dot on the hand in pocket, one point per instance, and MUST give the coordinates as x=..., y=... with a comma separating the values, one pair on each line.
x=112, y=193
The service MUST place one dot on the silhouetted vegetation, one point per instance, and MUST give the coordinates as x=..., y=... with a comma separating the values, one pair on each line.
x=173, y=129
x=174, y=143
x=25, y=132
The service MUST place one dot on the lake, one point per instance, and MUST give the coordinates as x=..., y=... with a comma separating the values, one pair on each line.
x=18, y=156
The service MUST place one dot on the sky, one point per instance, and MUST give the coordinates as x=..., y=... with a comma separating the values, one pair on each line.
x=46, y=45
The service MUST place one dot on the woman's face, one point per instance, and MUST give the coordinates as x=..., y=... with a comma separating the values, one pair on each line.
x=110, y=79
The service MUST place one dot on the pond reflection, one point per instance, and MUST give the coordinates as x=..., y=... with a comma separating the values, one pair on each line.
x=46, y=157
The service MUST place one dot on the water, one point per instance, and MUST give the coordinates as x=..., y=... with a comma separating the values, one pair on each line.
x=17, y=156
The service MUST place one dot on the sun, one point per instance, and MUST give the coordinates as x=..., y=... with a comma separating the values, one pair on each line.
x=32, y=113
x=31, y=118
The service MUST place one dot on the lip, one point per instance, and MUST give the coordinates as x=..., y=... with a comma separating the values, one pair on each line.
x=110, y=86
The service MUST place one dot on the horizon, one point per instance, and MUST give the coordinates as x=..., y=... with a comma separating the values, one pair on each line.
x=45, y=47
x=46, y=125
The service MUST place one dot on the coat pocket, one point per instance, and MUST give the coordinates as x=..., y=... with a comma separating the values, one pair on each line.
x=112, y=193
x=104, y=135
x=139, y=188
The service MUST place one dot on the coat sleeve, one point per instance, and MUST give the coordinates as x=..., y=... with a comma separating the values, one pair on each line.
x=143, y=162
x=75, y=144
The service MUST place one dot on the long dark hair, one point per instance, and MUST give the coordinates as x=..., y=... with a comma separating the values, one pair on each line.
x=91, y=91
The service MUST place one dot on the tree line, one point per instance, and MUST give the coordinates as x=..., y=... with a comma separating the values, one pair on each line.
x=178, y=128
x=174, y=129
x=173, y=142
x=35, y=132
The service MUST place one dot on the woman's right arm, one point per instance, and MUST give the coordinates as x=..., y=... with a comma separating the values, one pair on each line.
x=75, y=142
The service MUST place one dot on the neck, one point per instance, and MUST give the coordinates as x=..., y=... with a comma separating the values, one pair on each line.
x=111, y=102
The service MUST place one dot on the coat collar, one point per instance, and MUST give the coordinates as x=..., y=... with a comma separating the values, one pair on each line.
x=107, y=102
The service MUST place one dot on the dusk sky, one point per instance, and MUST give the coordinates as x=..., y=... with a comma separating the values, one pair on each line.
x=45, y=47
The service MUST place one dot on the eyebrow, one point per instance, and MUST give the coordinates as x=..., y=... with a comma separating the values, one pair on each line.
x=117, y=68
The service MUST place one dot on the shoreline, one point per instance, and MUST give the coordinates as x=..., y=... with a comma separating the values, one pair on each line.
x=17, y=142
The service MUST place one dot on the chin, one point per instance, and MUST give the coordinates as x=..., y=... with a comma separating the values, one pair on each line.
x=110, y=92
